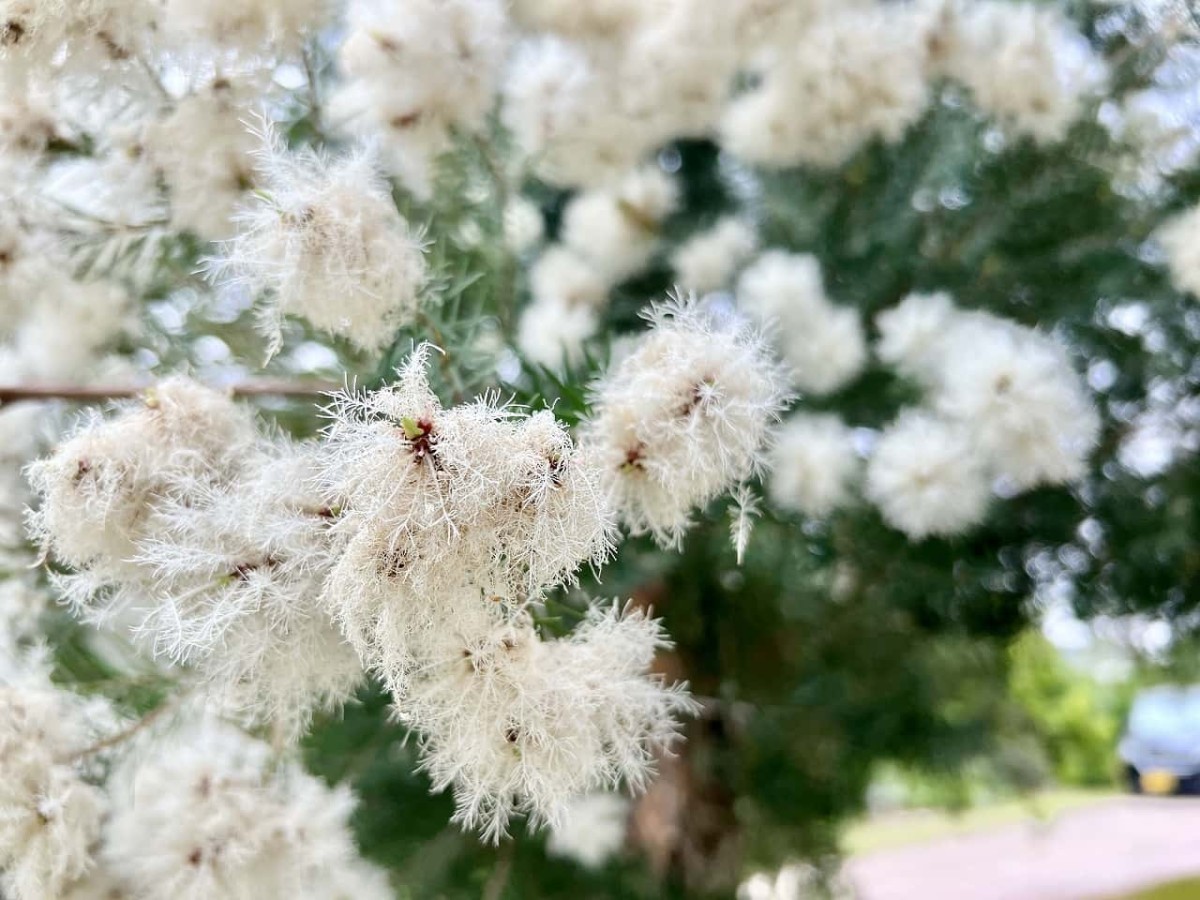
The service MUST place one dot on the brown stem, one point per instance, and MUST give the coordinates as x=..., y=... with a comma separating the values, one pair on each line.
x=90, y=393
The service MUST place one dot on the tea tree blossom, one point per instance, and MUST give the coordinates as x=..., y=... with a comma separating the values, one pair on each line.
x=207, y=186
x=616, y=230
x=926, y=478
x=210, y=546
x=49, y=816
x=708, y=260
x=569, y=293
x=822, y=342
x=433, y=499
x=1027, y=409
x=862, y=76
x=813, y=464
x=206, y=813
x=98, y=488
x=683, y=417
x=323, y=240
x=517, y=725
x=911, y=334
x=417, y=70
x=1024, y=63
x=592, y=829
x=1180, y=241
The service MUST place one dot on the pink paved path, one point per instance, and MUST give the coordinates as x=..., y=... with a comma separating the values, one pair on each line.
x=1095, y=851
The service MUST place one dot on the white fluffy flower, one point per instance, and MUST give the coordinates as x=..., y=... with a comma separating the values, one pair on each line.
x=592, y=829
x=616, y=230
x=208, y=816
x=813, y=464
x=516, y=725
x=552, y=333
x=1013, y=388
x=67, y=327
x=707, y=261
x=205, y=157
x=1025, y=63
x=927, y=478
x=850, y=78
x=418, y=69
x=38, y=34
x=569, y=294
x=98, y=487
x=823, y=343
x=248, y=26
x=209, y=544
x=1027, y=409
x=683, y=417
x=599, y=18
x=913, y=333
x=561, y=108
x=562, y=276
x=324, y=240
x=442, y=501
x=523, y=224
x=49, y=817
x=1180, y=240
x=237, y=570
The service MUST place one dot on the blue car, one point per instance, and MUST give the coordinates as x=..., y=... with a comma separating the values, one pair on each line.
x=1161, y=746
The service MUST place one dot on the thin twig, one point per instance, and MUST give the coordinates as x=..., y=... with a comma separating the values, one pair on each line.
x=125, y=734
x=498, y=880
x=90, y=393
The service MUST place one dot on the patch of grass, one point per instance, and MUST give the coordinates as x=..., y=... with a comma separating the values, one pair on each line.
x=897, y=829
x=1187, y=889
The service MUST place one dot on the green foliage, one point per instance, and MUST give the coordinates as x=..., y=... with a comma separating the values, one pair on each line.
x=1074, y=718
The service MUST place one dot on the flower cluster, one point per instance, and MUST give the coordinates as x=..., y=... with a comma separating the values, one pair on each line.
x=607, y=235
x=453, y=519
x=822, y=342
x=49, y=814
x=208, y=542
x=324, y=240
x=1004, y=408
x=683, y=417
x=415, y=72
x=208, y=812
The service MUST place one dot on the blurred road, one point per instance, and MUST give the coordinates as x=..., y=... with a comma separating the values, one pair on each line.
x=1101, y=850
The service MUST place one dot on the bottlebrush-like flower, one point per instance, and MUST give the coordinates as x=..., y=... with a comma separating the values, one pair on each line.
x=205, y=157
x=707, y=261
x=1025, y=63
x=98, y=488
x=822, y=342
x=1180, y=240
x=49, y=816
x=861, y=74
x=683, y=417
x=234, y=570
x=1012, y=387
x=813, y=465
x=516, y=725
x=323, y=240
x=1026, y=407
x=207, y=814
x=616, y=230
x=592, y=829
x=246, y=26
x=911, y=334
x=927, y=478
x=417, y=70
x=436, y=500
